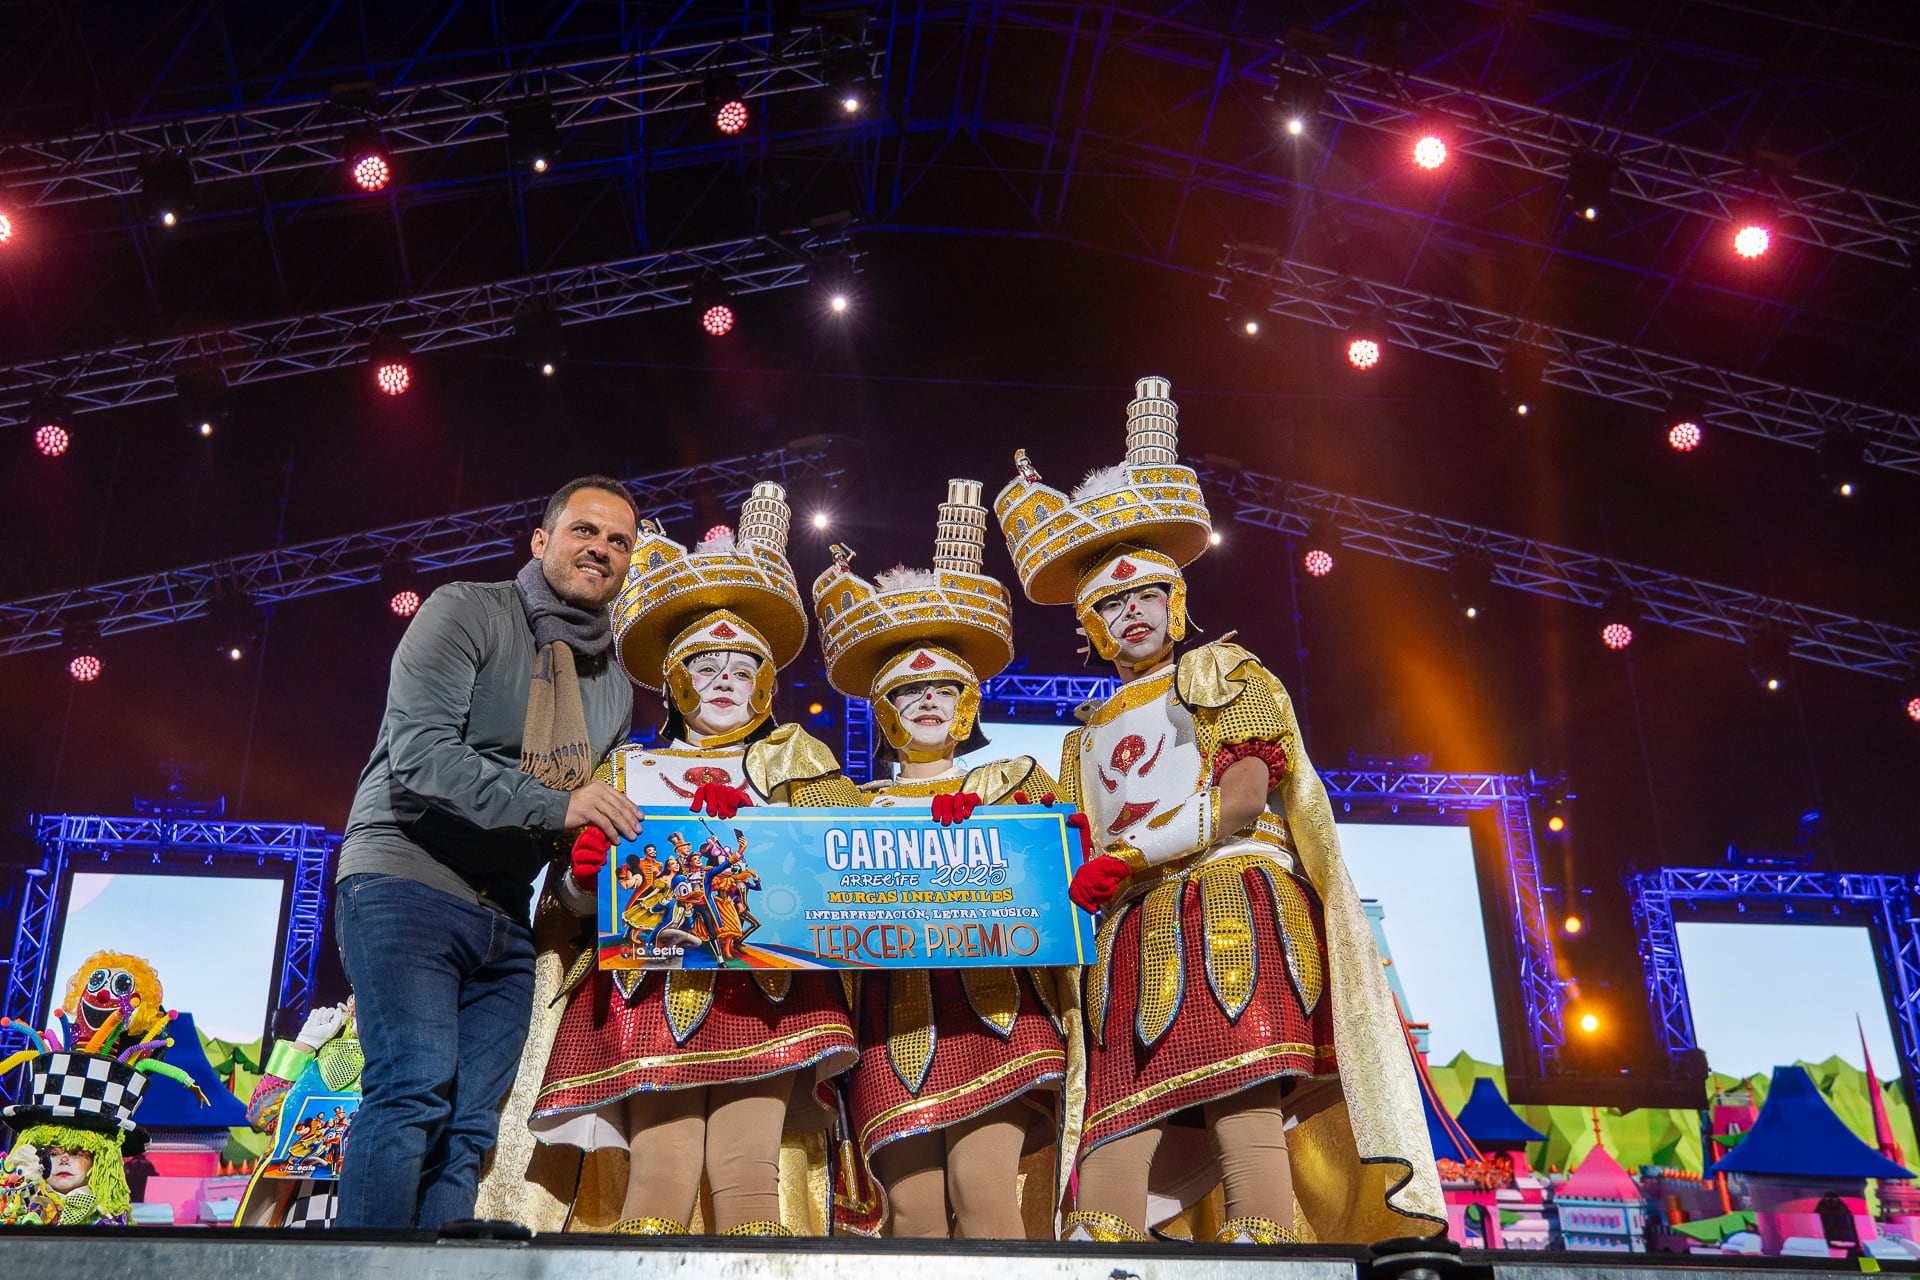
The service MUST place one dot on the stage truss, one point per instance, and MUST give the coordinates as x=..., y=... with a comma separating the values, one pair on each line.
x=147, y=843
x=1510, y=798
x=1888, y=905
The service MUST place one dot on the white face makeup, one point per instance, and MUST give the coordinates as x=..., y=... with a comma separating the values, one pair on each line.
x=927, y=709
x=67, y=1170
x=1137, y=620
x=723, y=678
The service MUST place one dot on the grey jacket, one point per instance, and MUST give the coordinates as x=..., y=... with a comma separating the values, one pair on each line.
x=442, y=801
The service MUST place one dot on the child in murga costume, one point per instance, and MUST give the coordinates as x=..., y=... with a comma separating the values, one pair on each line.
x=323, y=1060
x=690, y=1073
x=86, y=1077
x=1236, y=987
x=958, y=1067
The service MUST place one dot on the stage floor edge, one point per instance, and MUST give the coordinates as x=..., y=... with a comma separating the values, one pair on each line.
x=177, y=1254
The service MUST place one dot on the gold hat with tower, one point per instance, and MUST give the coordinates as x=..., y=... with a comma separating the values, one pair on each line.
x=734, y=590
x=1127, y=526
x=952, y=622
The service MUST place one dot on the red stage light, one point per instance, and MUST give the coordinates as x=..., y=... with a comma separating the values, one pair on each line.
x=52, y=440
x=84, y=668
x=718, y=531
x=393, y=377
x=1430, y=152
x=1616, y=635
x=1685, y=436
x=717, y=319
x=405, y=603
x=1363, y=353
x=6, y=227
x=730, y=117
x=1317, y=562
x=372, y=172
x=1751, y=240
x=1913, y=708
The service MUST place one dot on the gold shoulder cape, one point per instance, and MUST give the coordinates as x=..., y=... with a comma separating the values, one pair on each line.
x=559, y=1188
x=1362, y=1163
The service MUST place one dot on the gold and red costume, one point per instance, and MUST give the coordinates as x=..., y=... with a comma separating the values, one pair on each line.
x=939, y=1046
x=1228, y=959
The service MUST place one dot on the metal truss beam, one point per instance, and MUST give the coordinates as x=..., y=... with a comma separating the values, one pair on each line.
x=167, y=842
x=308, y=131
x=1615, y=371
x=1578, y=577
x=1831, y=215
x=356, y=559
x=1888, y=905
x=136, y=372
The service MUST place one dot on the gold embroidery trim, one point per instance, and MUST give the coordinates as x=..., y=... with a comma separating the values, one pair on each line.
x=995, y=997
x=1295, y=920
x=1163, y=969
x=687, y=997
x=1097, y=986
x=1250, y=1058
x=774, y=986
x=987, y=1080
x=712, y=1055
x=910, y=1032
x=1131, y=696
x=1233, y=962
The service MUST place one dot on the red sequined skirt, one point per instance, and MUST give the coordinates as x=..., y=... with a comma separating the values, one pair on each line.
x=707, y=1028
x=984, y=1050
x=1207, y=984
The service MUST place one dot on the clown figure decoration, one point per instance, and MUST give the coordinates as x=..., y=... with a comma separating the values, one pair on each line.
x=693, y=1071
x=954, y=1064
x=1236, y=1021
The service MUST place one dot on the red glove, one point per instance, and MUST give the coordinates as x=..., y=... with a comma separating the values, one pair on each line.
x=1095, y=883
x=1021, y=797
x=956, y=806
x=589, y=855
x=1078, y=821
x=721, y=800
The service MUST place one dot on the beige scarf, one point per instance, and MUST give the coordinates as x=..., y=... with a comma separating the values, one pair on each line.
x=554, y=746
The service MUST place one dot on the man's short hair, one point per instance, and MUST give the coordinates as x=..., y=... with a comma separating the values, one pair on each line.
x=558, y=502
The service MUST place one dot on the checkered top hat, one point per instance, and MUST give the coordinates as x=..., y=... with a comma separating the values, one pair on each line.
x=84, y=1091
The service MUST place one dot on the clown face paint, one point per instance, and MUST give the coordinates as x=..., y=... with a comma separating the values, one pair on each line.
x=1137, y=620
x=927, y=709
x=723, y=680
x=101, y=999
x=67, y=1170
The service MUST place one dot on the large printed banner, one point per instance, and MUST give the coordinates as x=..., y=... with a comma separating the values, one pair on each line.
x=843, y=889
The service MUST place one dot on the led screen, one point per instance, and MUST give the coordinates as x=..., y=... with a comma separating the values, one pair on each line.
x=1768, y=995
x=212, y=940
x=1008, y=739
x=1423, y=879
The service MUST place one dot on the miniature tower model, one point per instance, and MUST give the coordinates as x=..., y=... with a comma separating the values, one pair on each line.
x=1153, y=425
x=764, y=517
x=959, y=544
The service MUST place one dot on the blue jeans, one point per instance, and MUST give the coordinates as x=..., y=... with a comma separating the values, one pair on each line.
x=443, y=993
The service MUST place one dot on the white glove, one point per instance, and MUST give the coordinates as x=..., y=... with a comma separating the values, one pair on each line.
x=322, y=1025
x=26, y=1160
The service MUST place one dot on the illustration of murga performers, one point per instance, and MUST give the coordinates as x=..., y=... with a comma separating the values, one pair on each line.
x=691, y=908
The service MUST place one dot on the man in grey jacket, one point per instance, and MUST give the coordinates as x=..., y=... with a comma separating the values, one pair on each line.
x=503, y=697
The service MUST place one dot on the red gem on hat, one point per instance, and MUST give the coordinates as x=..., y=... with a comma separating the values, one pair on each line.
x=1124, y=570
x=921, y=661
x=724, y=632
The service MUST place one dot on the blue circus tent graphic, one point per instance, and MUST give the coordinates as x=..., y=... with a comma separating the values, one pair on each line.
x=170, y=1105
x=1798, y=1135
x=1491, y=1123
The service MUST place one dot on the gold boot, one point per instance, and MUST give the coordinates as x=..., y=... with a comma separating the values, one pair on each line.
x=647, y=1227
x=1104, y=1228
x=766, y=1228
x=1254, y=1231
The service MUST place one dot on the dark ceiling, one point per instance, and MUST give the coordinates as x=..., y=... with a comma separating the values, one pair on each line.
x=1010, y=295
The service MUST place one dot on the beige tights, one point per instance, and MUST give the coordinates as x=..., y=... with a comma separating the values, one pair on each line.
x=972, y=1166
x=729, y=1131
x=1249, y=1139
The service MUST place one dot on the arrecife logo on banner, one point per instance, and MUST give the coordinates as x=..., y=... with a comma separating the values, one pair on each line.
x=843, y=889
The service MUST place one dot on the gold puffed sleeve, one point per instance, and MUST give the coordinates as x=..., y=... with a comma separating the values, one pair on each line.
x=791, y=766
x=998, y=782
